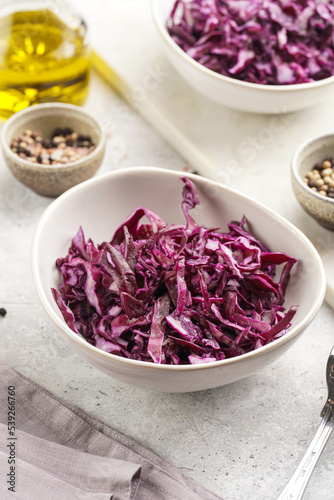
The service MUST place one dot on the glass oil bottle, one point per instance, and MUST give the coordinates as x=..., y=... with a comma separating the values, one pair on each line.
x=44, y=54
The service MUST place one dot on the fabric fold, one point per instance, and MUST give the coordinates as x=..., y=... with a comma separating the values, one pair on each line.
x=74, y=472
x=55, y=422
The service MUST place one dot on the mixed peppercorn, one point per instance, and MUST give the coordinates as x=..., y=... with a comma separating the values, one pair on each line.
x=321, y=178
x=64, y=146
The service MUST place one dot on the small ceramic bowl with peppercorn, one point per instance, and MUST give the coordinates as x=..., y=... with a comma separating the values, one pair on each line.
x=312, y=175
x=52, y=147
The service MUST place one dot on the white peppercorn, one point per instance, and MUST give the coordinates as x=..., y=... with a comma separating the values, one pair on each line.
x=321, y=178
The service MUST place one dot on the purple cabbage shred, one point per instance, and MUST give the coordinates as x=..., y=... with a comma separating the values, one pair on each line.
x=275, y=42
x=177, y=294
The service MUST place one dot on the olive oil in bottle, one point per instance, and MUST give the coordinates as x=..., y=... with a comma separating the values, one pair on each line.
x=42, y=59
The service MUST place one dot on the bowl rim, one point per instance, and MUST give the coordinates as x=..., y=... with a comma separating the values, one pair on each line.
x=304, y=87
x=82, y=343
x=35, y=109
x=295, y=170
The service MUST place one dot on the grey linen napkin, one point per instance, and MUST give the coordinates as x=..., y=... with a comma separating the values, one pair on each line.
x=51, y=471
x=63, y=453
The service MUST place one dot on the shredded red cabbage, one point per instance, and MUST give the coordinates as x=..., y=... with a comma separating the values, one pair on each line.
x=175, y=294
x=274, y=42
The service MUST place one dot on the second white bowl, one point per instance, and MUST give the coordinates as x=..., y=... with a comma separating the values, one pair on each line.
x=233, y=93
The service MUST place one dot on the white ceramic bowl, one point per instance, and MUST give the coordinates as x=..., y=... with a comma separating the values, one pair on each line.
x=101, y=204
x=309, y=154
x=243, y=96
x=52, y=180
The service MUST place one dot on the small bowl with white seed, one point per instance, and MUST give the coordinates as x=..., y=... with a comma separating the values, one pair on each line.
x=312, y=177
x=52, y=147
